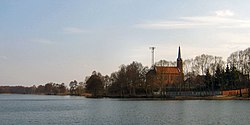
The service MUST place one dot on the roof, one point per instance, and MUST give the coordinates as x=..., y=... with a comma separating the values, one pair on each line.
x=167, y=70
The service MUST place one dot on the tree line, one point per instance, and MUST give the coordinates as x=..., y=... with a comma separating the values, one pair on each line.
x=205, y=73
x=48, y=89
x=201, y=73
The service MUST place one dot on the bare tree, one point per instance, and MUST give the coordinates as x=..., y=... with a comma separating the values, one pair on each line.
x=241, y=60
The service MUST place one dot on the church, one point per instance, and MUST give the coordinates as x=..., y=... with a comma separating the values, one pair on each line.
x=163, y=76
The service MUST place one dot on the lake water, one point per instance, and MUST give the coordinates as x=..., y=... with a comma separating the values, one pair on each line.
x=67, y=110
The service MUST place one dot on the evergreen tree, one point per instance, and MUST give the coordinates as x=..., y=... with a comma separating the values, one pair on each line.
x=227, y=78
x=208, y=81
x=219, y=78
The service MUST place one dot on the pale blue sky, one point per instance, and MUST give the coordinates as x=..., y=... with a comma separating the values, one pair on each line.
x=59, y=40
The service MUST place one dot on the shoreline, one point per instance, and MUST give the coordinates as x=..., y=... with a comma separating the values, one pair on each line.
x=218, y=97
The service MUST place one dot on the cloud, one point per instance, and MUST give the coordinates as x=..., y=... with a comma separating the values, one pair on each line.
x=74, y=30
x=43, y=41
x=183, y=24
x=224, y=13
x=220, y=20
x=234, y=40
x=3, y=57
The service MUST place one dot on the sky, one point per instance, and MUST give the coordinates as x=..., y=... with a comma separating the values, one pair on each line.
x=59, y=41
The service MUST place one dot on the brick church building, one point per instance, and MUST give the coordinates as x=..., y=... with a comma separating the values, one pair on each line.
x=163, y=76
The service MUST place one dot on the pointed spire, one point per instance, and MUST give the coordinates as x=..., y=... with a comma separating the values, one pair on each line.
x=179, y=61
x=179, y=53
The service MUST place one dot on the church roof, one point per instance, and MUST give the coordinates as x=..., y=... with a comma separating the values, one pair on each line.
x=165, y=70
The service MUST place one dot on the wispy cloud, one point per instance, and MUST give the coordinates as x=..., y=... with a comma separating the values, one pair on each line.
x=222, y=19
x=234, y=40
x=224, y=13
x=43, y=41
x=3, y=57
x=74, y=30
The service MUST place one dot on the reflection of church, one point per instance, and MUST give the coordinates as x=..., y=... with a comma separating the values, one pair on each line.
x=165, y=75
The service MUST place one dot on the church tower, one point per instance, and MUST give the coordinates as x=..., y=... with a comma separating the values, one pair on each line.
x=179, y=61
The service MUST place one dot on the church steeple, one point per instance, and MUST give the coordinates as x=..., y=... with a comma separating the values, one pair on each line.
x=179, y=60
x=179, y=53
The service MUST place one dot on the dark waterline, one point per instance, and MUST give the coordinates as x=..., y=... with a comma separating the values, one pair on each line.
x=65, y=110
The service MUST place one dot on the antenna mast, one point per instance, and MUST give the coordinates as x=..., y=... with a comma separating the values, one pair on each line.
x=152, y=48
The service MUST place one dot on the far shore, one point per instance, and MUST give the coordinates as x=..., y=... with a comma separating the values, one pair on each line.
x=218, y=97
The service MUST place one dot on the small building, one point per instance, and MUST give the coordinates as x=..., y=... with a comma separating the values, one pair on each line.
x=243, y=91
x=166, y=76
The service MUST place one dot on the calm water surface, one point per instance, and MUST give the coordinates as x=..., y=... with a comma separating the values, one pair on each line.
x=66, y=110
